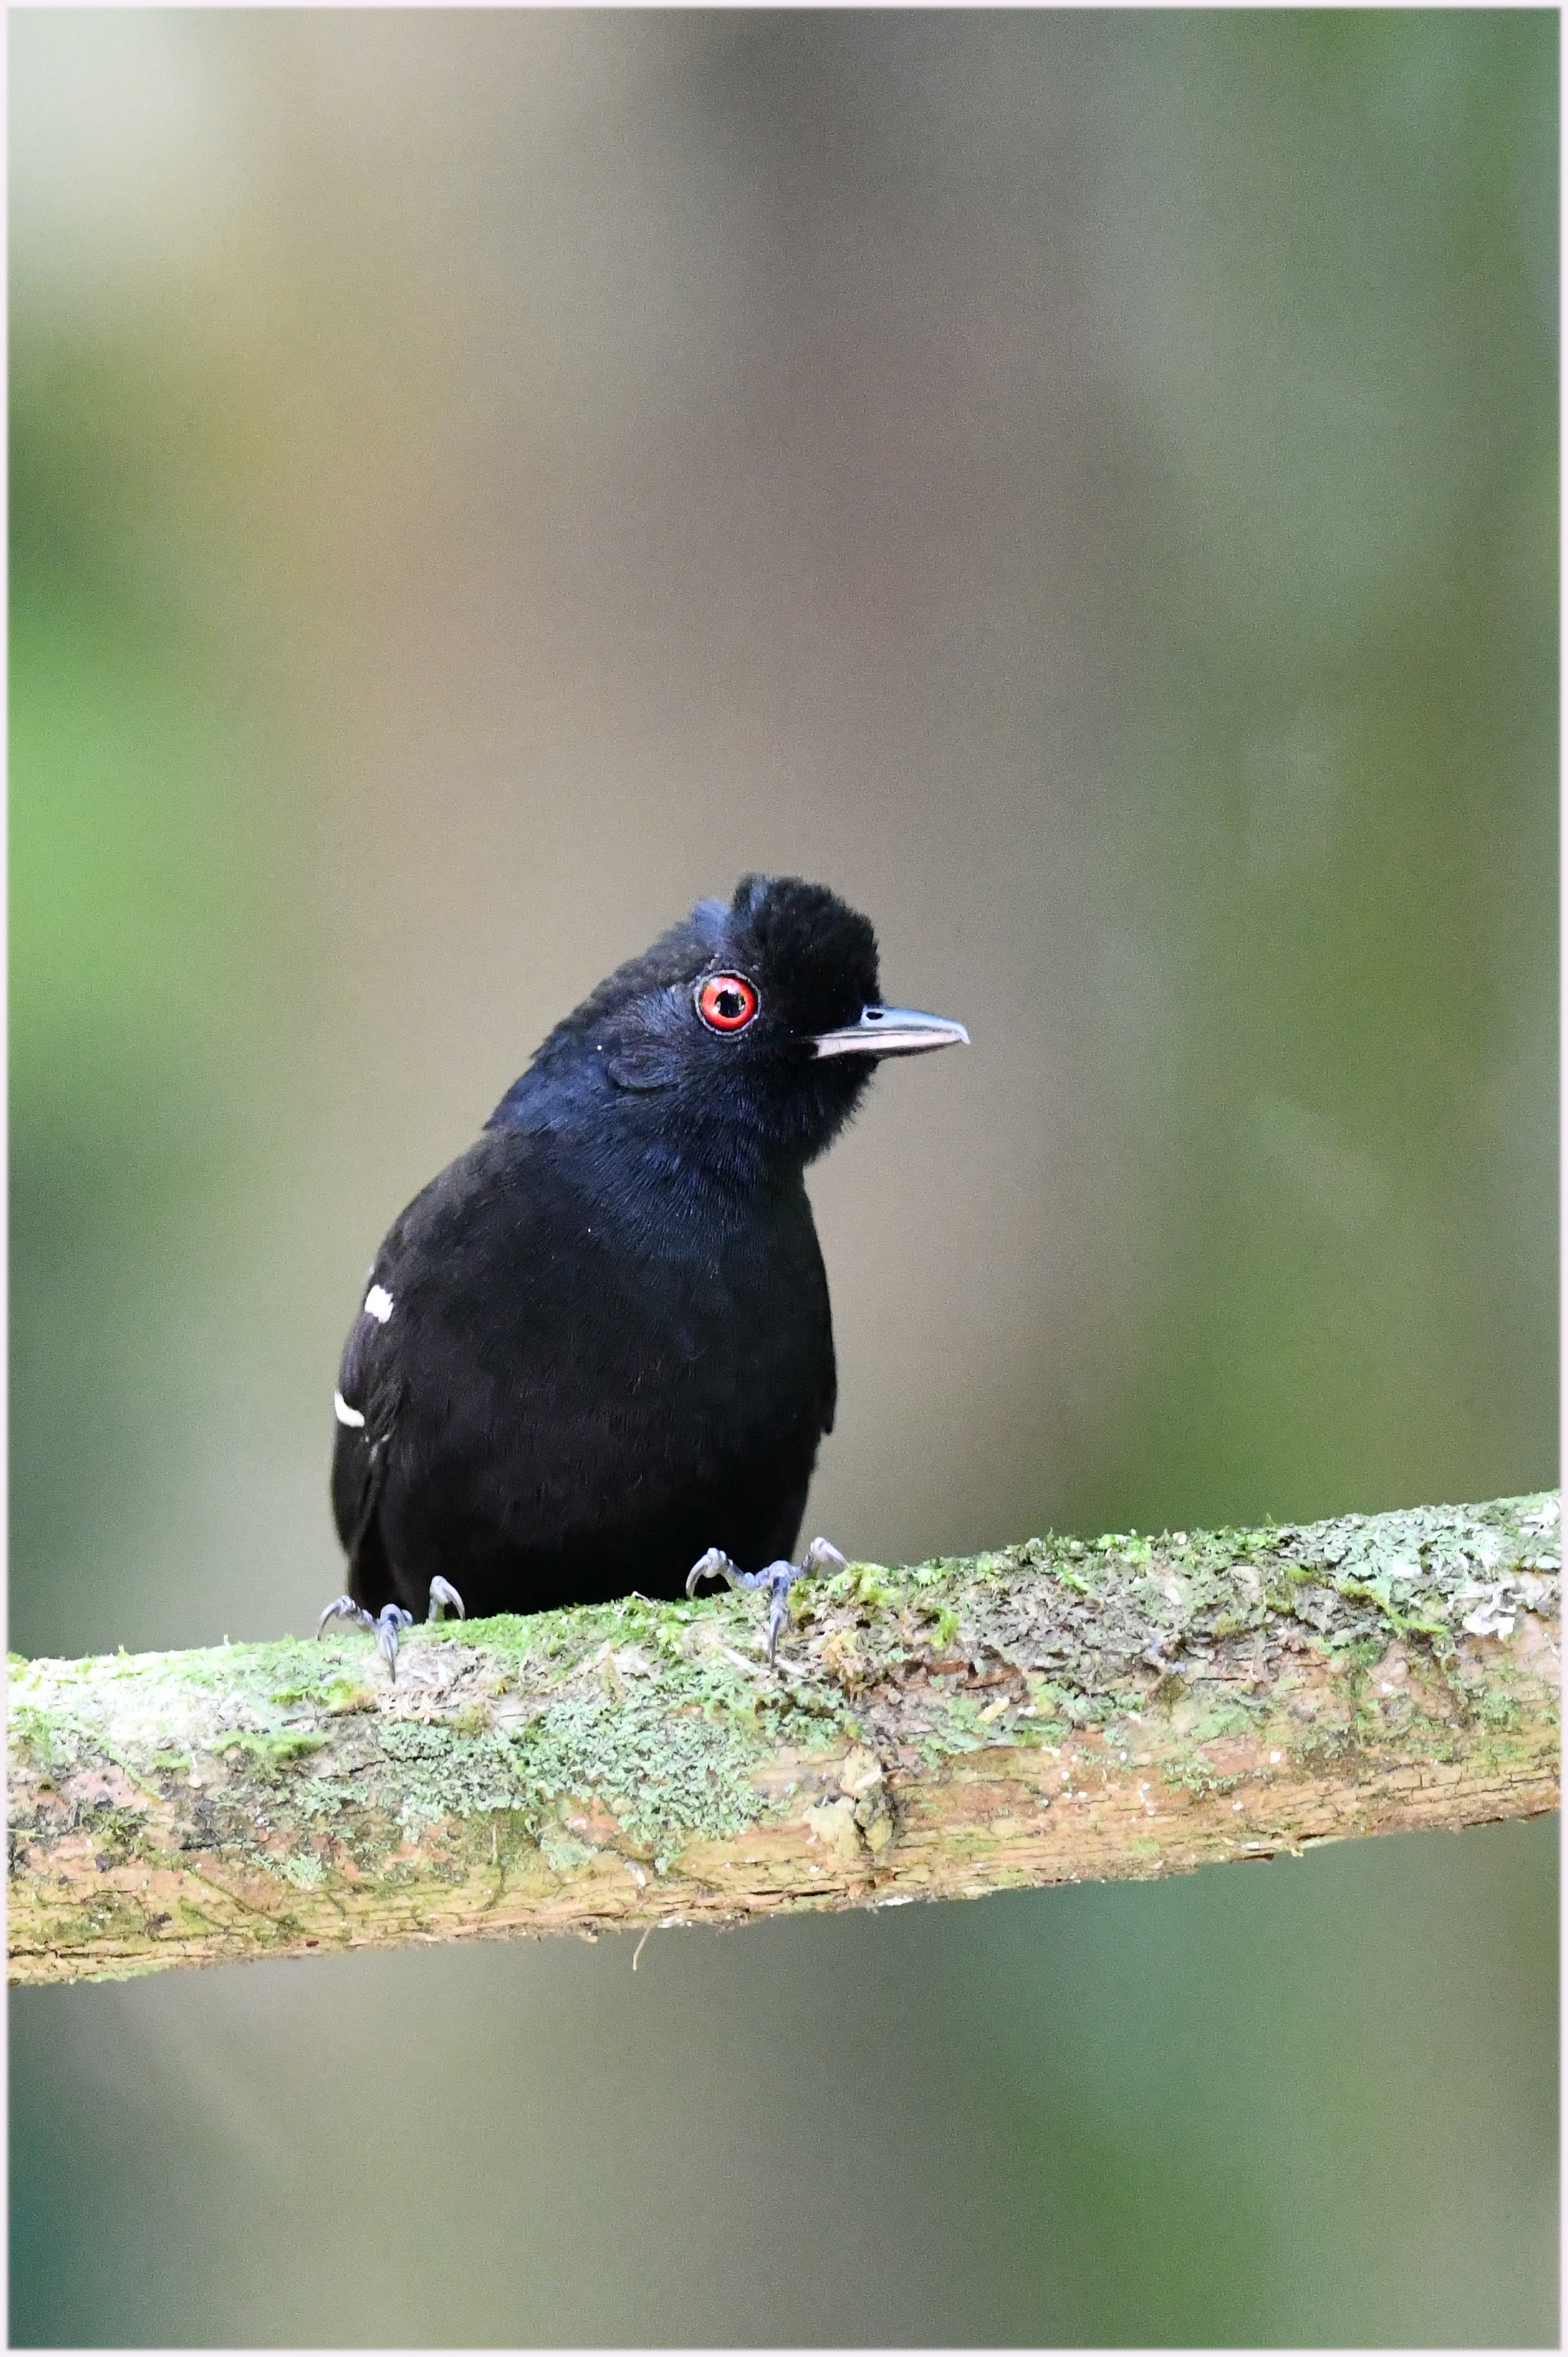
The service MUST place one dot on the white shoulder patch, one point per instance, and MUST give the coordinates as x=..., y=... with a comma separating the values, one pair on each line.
x=344, y=1412
x=379, y=1303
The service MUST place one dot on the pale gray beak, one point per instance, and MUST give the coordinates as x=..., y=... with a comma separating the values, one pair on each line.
x=891, y=1031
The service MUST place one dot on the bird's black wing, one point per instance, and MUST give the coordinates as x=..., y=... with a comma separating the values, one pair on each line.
x=406, y=1355
x=366, y=1405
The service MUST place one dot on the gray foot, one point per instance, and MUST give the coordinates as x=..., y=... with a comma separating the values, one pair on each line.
x=778, y=1580
x=389, y=1624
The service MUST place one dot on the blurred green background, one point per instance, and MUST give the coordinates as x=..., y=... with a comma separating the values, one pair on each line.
x=1084, y=485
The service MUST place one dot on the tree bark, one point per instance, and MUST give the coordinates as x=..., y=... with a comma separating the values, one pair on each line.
x=1058, y=1711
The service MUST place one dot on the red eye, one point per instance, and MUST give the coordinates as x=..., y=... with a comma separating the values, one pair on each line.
x=726, y=1002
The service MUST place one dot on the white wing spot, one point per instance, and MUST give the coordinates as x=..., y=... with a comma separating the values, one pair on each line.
x=344, y=1412
x=379, y=1303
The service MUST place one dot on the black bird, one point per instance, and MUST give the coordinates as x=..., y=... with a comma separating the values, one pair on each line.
x=596, y=1353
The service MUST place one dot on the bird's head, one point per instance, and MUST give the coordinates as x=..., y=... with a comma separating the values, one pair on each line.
x=742, y=1040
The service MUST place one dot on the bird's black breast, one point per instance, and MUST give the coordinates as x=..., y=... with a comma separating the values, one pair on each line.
x=575, y=1379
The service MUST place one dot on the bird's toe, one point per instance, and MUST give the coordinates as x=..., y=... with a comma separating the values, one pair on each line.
x=783, y=1579
x=343, y=1608
x=444, y=1599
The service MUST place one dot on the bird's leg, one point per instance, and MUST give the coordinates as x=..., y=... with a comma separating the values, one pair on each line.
x=778, y=1580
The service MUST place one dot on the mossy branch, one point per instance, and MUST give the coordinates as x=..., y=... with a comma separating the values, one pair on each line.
x=1058, y=1711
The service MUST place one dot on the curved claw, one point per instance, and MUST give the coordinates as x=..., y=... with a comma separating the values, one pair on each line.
x=778, y=1610
x=715, y=1565
x=444, y=1598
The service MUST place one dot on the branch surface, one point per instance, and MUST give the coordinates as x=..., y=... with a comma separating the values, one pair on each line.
x=1058, y=1711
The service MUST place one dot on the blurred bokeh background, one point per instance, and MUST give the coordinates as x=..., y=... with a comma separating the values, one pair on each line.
x=1084, y=485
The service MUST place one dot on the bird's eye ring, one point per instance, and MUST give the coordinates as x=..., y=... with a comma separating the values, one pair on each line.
x=728, y=1002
